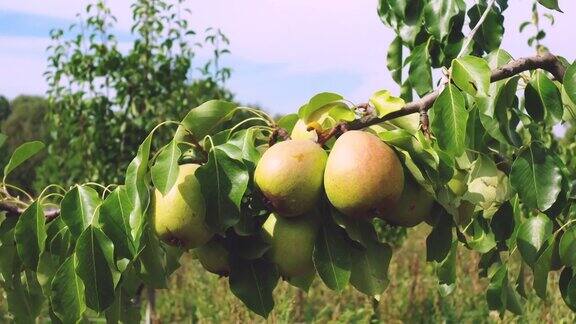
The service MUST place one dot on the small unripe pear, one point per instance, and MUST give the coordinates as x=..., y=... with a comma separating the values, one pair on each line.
x=413, y=208
x=289, y=175
x=179, y=215
x=459, y=187
x=301, y=132
x=291, y=243
x=214, y=258
x=458, y=183
x=364, y=177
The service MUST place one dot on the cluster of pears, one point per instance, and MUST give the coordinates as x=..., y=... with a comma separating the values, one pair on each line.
x=362, y=178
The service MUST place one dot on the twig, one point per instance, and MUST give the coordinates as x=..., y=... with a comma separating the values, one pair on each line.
x=278, y=133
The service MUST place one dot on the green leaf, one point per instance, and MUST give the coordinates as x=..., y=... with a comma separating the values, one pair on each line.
x=542, y=267
x=503, y=222
x=165, y=169
x=206, y=119
x=303, y=282
x=448, y=120
x=369, y=270
x=532, y=236
x=543, y=99
x=137, y=188
x=489, y=35
x=152, y=257
x=253, y=282
x=482, y=238
x=501, y=296
x=567, y=286
x=439, y=241
x=567, y=247
x=394, y=59
x=95, y=255
x=78, y=208
x=125, y=308
x=550, y=4
x=244, y=140
x=2, y=139
x=67, y=297
x=332, y=257
x=288, y=121
x=420, y=71
x=475, y=132
x=24, y=297
x=471, y=74
x=224, y=181
x=446, y=271
x=438, y=16
x=114, y=220
x=21, y=154
x=385, y=103
x=570, y=82
x=497, y=58
x=30, y=235
x=536, y=177
x=488, y=187
x=47, y=266
x=316, y=103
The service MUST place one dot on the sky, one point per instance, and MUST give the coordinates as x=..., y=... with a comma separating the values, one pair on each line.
x=282, y=51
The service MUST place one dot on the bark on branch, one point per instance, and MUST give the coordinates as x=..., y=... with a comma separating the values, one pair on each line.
x=15, y=211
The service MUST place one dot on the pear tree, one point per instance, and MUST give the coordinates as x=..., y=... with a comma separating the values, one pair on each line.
x=465, y=148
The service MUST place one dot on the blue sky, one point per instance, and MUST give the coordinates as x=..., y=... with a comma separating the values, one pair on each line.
x=283, y=52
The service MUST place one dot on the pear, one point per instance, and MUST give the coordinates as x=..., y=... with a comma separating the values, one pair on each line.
x=363, y=177
x=300, y=131
x=291, y=243
x=289, y=174
x=214, y=258
x=179, y=216
x=414, y=206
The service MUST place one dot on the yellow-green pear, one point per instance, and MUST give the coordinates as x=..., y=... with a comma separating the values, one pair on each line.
x=414, y=206
x=214, y=257
x=301, y=132
x=458, y=183
x=179, y=216
x=364, y=177
x=459, y=187
x=289, y=174
x=291, y=243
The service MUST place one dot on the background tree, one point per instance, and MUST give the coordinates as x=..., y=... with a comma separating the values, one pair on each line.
x=25, y=123
x=4, y=108
x=105, y=100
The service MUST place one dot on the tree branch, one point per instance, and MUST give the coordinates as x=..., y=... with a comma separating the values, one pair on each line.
x=547, y=62
x=14, y=211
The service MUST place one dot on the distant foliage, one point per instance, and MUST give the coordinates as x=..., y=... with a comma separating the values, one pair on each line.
x=26, y=122
x=105, y=98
